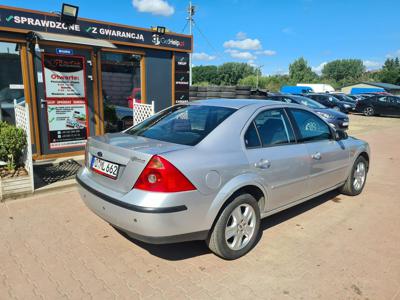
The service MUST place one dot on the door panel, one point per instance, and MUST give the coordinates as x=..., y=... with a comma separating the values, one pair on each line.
x=328, y=158
x=329, y=162
x=282, y=164
x=65, y=99
x=285, y=172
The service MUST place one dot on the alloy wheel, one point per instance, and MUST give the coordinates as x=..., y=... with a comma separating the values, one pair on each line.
x=240, y=227
x=359, y=176
x=368, y=111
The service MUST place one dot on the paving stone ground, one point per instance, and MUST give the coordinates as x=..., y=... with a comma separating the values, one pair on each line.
x=332, y=247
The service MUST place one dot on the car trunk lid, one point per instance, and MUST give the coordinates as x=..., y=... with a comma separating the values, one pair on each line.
x=130, y=153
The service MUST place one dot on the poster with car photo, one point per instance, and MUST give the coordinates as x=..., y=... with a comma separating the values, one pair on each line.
x=67, y=121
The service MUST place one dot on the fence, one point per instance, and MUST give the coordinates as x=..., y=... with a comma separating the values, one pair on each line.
x=142, y=112
x=22, y=121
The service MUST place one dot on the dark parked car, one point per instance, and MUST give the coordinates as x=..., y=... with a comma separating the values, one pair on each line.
x=337, y=119
x=379, y=105
x=331, y=101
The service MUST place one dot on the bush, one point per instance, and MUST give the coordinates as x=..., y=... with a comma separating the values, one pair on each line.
x=12, y=144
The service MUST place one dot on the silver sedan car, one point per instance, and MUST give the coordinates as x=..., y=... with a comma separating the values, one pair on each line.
x=211, y=170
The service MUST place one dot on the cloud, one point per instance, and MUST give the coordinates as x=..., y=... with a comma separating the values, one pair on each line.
x=241, y=35
x=246, y=44
x=155, y=7
x=370, y=64
x=241, y=55
x=252, y=63
x=318, y=69
x=266, y=52
x=203, y=56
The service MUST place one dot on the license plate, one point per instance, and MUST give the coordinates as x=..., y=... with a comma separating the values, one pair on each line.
x=345, y=124
x=104, y=167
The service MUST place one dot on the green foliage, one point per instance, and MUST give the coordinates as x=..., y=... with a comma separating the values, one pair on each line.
x=344, y=71
x=205, y=74
x=12, y=144
x=337, y=73
x=231, y=73
x=271, y=83
x=226, y=74
x=300, y=72
x=390, y=72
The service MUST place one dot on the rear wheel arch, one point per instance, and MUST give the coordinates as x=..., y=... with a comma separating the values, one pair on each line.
x=252, y=189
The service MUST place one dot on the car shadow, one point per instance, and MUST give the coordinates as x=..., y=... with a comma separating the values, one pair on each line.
x=186, y=250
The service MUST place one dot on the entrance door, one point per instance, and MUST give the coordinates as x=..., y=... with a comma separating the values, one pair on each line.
x=65, y=98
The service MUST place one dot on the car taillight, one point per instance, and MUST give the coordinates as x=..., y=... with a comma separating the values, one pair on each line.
x=161, y=176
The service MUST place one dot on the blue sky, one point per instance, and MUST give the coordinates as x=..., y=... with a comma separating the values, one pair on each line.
x=271, y=33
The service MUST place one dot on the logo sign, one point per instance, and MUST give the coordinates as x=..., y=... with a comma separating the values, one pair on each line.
x=64, y=51
x=37, y=21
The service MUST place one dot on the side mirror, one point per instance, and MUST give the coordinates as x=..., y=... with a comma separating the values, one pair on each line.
x=340, y=135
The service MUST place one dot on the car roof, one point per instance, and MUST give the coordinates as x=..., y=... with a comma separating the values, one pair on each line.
x=233, y=103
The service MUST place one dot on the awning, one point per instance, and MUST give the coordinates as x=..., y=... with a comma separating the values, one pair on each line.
x=54, y=37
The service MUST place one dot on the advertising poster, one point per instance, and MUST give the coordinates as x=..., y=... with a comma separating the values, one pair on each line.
x=67, y=121
x=64, y=81
x=64, y=76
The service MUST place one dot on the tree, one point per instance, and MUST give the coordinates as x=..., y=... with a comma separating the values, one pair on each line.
x=301, y=72
x=390, y=72
x=205, y=74
x=344, y=71
x=230, y=73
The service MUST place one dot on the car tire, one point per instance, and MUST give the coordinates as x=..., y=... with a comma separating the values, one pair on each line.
x=358, y=176
x=236, y=229
x=368, y=111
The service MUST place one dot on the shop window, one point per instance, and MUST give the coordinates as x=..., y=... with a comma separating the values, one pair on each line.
x=11, y=86
x=121, y=84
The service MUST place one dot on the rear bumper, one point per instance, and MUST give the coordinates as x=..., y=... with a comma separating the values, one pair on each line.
x=161, y=224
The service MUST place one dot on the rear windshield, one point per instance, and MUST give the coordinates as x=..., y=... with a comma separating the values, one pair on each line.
x=182, y=124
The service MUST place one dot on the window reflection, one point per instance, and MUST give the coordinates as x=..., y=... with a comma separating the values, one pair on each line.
x=11, y=86
x=121, y=89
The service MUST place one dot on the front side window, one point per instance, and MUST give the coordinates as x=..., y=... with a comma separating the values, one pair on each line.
x=182, y=124
x=311, y=127
x=274, y=128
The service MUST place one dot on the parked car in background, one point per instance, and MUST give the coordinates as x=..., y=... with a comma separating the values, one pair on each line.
x=345, y=99
x=357, y=97
x=330, y=101
x=336, y=118
x=211, y=170
x=379, y=105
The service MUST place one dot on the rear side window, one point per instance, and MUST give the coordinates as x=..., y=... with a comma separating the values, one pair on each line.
x=311, y=127
x=182, y=124
x=251, y=138
x=274, y=128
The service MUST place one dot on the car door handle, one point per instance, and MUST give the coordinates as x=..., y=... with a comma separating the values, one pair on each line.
x=263, y=164
x=316, y=156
